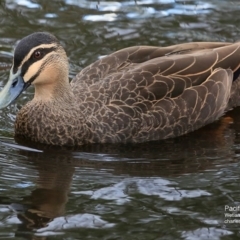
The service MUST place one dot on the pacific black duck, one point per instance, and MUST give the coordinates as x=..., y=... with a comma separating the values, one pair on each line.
x=136, y=94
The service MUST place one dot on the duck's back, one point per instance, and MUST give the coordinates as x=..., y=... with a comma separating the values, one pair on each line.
x=149, y=93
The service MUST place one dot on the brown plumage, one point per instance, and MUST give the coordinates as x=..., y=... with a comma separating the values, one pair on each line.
x=135, y=95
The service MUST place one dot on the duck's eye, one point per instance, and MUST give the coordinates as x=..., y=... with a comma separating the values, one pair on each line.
x=37, y=54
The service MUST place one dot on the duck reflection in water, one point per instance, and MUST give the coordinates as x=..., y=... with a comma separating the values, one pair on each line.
x=48, y=200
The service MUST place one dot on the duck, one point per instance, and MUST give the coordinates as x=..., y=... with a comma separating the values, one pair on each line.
x=134, y=95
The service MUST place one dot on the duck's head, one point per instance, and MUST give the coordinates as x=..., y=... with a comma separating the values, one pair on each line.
x=38, y=60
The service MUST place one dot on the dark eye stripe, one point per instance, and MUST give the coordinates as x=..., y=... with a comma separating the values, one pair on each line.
x=31, y=60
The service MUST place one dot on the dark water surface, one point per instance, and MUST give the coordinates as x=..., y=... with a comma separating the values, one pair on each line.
x=174, y=189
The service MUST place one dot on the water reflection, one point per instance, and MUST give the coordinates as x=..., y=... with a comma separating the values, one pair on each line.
x=12, y=4
x=108, y=11
x=48, y=200
x=44, y=209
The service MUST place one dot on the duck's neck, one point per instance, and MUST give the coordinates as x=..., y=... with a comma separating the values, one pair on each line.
x=57, y=91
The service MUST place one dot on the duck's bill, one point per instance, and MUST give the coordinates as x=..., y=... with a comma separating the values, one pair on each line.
x=14, y=87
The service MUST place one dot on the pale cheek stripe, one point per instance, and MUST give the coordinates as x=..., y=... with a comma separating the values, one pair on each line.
x=34, y=69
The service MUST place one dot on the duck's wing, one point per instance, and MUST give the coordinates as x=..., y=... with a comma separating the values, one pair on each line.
x=165, y=96
x=195, y=107
x=168, y=76
x=128, y=58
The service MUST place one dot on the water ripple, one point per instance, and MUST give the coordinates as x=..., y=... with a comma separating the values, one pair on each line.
x=12, y=4
x=73, y=221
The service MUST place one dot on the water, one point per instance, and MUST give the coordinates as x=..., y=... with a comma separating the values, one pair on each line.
x=174, y=189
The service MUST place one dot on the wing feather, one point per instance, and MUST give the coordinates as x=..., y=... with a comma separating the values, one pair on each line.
x=159, y=92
